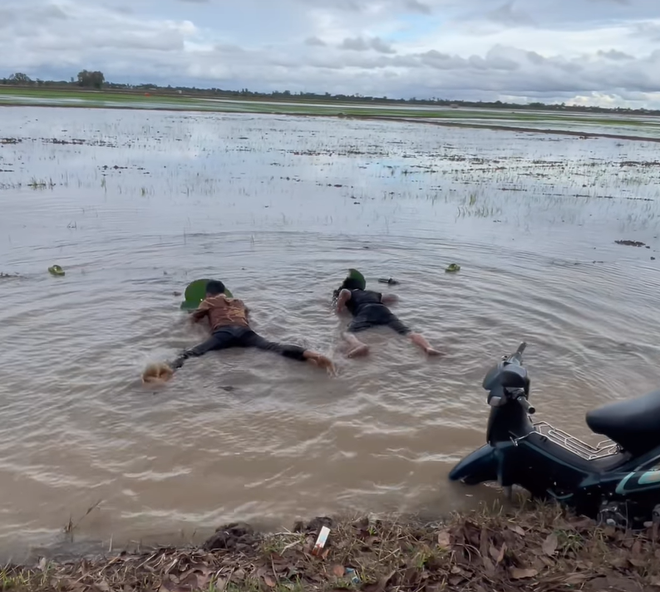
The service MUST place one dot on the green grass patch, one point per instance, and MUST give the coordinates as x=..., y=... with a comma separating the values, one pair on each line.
x=158, y=100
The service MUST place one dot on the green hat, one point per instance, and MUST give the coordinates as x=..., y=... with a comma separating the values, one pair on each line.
x=355, y=275
x=195, y=293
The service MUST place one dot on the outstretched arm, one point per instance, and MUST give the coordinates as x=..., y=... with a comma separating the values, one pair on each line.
x=342, y=299
x=200, y=313
x=389, y=299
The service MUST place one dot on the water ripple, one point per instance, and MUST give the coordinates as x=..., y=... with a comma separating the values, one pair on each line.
x=538, y=264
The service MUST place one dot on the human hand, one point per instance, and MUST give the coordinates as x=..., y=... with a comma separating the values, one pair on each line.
x=157, y=374
x=324, y=362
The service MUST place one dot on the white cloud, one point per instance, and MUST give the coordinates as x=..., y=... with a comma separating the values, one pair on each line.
x=585, y=51
x=510, y=16
x=315, y=41
x=362, y=44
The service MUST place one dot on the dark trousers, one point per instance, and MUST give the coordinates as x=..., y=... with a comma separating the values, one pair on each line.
x=227, y=337
x=377, y=315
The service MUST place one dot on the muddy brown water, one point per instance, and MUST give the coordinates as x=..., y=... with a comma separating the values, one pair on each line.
x=134, y=205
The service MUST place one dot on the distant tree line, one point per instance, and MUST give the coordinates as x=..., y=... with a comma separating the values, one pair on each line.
x=95, y=80
x=88, y=79
x=85, y=79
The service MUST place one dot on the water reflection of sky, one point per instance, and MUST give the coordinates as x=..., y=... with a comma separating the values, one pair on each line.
x=263, y=172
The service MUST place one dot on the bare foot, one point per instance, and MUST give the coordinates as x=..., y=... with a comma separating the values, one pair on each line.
x=358, y=352
x=432, y=352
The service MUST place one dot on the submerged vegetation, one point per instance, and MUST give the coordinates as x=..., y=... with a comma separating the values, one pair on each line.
x=450, y=173
x=632, y=125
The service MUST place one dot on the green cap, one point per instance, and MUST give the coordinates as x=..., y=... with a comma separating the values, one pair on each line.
x=354, y=274
x=195, y=293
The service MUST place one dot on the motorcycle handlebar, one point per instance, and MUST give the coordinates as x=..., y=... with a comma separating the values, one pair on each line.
x=530, y=409
x=517, y=357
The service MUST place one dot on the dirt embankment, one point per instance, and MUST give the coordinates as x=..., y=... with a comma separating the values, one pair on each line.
x=541, y=549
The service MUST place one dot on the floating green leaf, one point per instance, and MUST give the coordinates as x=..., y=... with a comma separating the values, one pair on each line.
x=453, y=268
x=56, y=270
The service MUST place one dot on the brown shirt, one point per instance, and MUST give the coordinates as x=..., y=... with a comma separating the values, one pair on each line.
x=222, y=312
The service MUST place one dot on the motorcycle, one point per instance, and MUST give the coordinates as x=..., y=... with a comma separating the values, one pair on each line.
x=616, y=482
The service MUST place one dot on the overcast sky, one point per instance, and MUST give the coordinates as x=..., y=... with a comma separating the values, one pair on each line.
x=590, y=51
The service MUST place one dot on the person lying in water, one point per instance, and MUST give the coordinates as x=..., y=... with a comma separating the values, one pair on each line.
x=230, y=327
x=369, y=309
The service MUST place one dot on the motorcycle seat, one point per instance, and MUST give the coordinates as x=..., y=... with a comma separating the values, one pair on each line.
x=633, y=424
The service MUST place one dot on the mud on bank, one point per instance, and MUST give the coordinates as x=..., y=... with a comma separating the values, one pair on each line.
x=536, y=548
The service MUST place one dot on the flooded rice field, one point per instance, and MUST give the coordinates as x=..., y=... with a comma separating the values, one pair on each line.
x=134, y=205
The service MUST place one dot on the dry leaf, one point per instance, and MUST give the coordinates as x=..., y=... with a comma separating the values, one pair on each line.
x=656, y=582
x=238, y=576
x=455, y=581
x=497, y=554
x=584, y=565
x=619, y=563
x=488, y=565
x=637, y=562
x=618, y=583
x=518, y=573
x=637, y=548
x=380, y=585
x=444, y=540
x=483, y=549
x=575, y=579
x=172, y=566
x=550, y=545
x=411, y=575
x=517, y=529
x=190, y=578
x=483, y=541
x=269, y=581
x=171, y=588
x=203, y=581
x=582, y=524
x=338, y=571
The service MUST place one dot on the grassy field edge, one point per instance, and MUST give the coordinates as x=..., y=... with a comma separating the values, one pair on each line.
x=496, y=120
x=533, y=548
